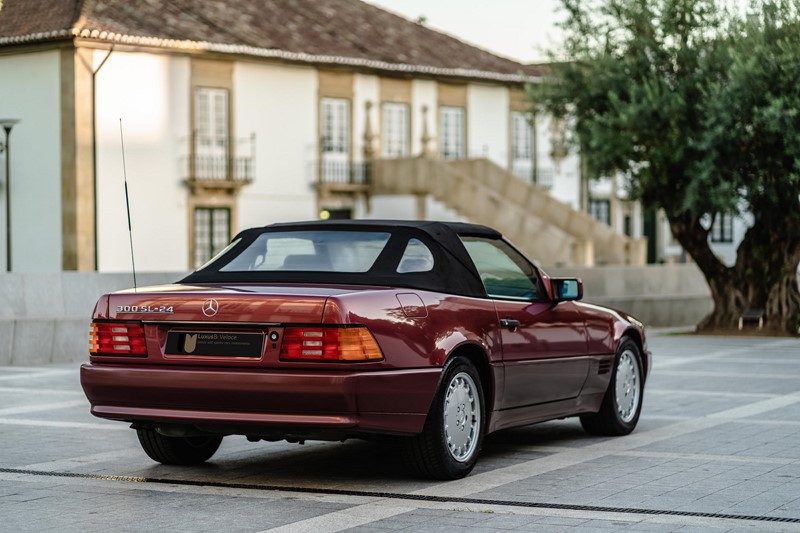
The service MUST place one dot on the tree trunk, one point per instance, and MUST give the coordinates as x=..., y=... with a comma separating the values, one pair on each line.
x=764, y=276
x=783, y=302
x=767, y=262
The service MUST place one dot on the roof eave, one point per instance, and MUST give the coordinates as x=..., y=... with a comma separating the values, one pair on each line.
x=270, y=53
x=37, y=37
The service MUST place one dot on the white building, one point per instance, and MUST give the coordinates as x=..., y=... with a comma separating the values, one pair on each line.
x=242, y=113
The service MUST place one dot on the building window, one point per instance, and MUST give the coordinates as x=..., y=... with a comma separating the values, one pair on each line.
x=335, y=139
x=395, y=130
x=600, y=210
x=522, y=145
x=335, y=125
x=212, y=232
x=521, y=135
x=452, y=132
x=211, y=133
x=722, y=228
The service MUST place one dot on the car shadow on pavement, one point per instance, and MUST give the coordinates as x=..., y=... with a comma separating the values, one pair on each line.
x=361, y=465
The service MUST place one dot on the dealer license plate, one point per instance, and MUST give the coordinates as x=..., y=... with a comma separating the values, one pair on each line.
x=214, y=343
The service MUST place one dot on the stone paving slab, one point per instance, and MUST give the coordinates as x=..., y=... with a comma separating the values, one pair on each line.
x=719, y=435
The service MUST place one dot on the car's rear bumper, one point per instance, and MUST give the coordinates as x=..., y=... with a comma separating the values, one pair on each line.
x=395, y=401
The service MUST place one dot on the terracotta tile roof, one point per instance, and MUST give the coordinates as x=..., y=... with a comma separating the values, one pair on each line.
x=323, y=31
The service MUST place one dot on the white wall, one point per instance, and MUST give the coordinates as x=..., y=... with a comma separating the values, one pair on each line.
x=279, y=104
x=566, y=178
x=487, y=123
x=150, y=93
x=30, y=91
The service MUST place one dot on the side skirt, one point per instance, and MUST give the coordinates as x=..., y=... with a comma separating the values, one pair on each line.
x=522, y=416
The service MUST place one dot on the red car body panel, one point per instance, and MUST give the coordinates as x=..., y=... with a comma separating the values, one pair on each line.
x=555, y=363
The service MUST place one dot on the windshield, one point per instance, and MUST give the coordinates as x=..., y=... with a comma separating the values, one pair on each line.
x=311, y=251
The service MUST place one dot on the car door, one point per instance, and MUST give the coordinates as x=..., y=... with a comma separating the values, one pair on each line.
x=543, y=341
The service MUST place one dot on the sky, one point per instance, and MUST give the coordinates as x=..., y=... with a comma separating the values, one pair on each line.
x=517, y=29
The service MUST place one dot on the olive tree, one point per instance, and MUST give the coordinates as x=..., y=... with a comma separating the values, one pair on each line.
x=697, y=105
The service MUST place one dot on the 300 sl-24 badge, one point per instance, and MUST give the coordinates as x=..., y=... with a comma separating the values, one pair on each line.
x=155, y=309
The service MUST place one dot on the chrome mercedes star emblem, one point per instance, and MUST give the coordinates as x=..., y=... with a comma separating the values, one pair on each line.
x=210, y=307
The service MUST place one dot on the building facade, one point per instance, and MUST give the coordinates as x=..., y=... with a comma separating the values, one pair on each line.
x=270, y=115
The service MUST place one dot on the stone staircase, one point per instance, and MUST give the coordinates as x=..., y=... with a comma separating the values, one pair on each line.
x=484, y=193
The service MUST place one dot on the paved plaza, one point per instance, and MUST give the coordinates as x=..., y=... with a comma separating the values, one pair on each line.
x=717, y=449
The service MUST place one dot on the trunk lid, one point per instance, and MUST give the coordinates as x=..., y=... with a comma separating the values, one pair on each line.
x=218, y=324
x=222, y=304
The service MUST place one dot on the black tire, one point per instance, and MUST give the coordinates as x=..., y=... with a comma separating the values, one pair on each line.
x=619, y=413
x=458, y=411
x=177, y=450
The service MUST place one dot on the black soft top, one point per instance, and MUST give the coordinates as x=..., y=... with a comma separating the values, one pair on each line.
x=453, y=271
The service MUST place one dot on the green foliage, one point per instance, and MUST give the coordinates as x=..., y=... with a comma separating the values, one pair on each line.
x=753, y=123
x=699, y=108
x=695, y=104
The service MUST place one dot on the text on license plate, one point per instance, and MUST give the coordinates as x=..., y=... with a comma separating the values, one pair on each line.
x=214, y=343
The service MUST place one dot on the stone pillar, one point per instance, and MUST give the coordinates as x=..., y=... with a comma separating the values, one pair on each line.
x=588, y=253
x=422, y=207
x=369, y=135
x=368, y=172
x=426, y=138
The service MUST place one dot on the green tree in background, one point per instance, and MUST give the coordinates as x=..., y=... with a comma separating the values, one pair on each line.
x=698, y=107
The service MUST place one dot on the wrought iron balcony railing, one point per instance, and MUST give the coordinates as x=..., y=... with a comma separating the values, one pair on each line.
x=220, y=162
x=332, y=172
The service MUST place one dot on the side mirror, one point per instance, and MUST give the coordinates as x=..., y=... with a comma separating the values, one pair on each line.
x=565, y=289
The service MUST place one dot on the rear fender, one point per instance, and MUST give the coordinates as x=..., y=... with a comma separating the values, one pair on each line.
x=101, y=308
x=447, y=347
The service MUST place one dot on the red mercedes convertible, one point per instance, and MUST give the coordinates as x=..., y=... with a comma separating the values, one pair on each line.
x=434, y=333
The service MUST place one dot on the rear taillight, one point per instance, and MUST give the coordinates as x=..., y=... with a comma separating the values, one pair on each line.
x=117, y=338
x=329, y=344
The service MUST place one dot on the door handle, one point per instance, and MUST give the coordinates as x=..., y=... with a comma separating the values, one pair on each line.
x=509, y=323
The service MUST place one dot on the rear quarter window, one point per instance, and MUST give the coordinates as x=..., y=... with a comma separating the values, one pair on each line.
x=416, y=258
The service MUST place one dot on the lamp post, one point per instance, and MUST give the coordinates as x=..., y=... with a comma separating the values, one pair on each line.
x=7, y=124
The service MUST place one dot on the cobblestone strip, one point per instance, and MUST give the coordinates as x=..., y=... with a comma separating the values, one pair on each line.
x=41, y=407
x=34, y=374
x=111, y=426
x=83, y=460
x=666, y=360
x=38, y=391
x=346, y=518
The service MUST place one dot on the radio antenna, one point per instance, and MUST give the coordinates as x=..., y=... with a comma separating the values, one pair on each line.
x=127, y=205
